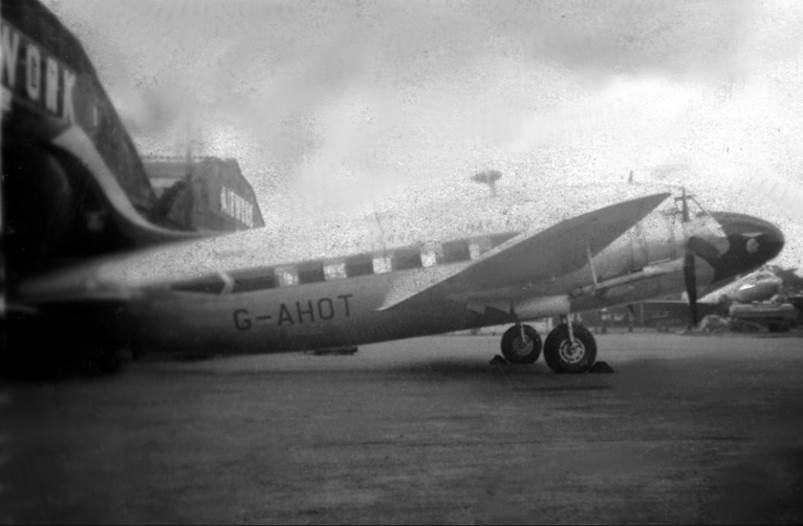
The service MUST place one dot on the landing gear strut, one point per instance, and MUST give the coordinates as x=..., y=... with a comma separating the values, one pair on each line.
x=521, y=344
x=570, y=348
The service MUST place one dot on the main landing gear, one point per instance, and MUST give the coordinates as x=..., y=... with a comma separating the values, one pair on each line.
x=569, y=347
x=521, y=344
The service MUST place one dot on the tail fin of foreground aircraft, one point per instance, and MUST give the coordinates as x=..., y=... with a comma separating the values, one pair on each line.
x=75, y=185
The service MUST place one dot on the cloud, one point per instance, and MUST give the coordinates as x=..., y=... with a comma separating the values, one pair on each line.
x=270, y=63
x=333, y=104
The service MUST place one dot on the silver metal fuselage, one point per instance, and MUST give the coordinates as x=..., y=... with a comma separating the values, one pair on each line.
x=346, y=310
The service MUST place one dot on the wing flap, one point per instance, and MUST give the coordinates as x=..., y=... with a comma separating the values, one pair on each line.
x=529, y=257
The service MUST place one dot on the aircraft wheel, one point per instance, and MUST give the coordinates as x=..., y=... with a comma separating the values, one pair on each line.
x=564, y=357
x=517, y=351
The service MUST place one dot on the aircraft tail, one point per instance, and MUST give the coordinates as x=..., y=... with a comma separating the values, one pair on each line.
x=74, y=183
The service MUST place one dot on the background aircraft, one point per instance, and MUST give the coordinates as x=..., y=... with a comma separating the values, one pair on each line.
x=74, y=193
x=755, y=301
x=760, y=285
x=78, y=184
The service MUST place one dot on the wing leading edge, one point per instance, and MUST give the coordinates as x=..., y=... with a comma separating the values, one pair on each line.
x=530, y=257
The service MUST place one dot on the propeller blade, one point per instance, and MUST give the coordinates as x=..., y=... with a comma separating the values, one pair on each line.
x=704, y=250
x=690, y=278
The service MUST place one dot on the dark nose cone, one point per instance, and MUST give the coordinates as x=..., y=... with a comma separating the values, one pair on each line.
x=751, y=243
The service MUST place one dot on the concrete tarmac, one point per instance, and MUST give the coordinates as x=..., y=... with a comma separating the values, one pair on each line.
x=702, y=429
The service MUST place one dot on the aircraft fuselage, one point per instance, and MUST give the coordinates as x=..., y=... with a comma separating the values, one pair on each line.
x=216, y=311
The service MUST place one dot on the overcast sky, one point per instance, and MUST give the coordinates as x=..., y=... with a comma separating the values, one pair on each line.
x=335, y=104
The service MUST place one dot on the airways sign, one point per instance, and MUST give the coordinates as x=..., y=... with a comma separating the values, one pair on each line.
x=31, y=74
x=236, y=207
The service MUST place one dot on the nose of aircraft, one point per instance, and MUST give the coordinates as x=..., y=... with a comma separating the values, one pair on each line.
x=751, y=243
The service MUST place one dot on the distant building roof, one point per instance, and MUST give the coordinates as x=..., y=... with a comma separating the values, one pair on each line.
x=208, y=193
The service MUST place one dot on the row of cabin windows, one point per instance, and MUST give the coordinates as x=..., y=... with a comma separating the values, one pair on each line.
x=359, y=265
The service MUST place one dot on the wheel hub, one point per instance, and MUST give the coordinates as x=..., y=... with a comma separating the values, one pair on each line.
x=572, y=353
x=522, y=347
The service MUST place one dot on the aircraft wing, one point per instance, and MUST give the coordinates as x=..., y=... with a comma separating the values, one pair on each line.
x=530, y=257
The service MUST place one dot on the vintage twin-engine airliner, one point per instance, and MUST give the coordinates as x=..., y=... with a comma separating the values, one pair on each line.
x=251, y=291
x=89, y=269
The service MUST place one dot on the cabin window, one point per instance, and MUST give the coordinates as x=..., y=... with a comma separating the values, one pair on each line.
x=334, y=270
x=205, y=285
x=253, y=279
x=431, y=254
x=287, y=276
x=310, y=273
x=456, y=251
x=359, y=266
x=406, y=258
x=381, y=264
x=479, y=246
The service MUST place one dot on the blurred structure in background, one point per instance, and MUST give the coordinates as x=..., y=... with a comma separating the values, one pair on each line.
x=202, y=193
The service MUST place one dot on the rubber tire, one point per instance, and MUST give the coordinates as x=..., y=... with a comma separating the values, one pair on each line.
x=557, y=337
x=512, y=335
